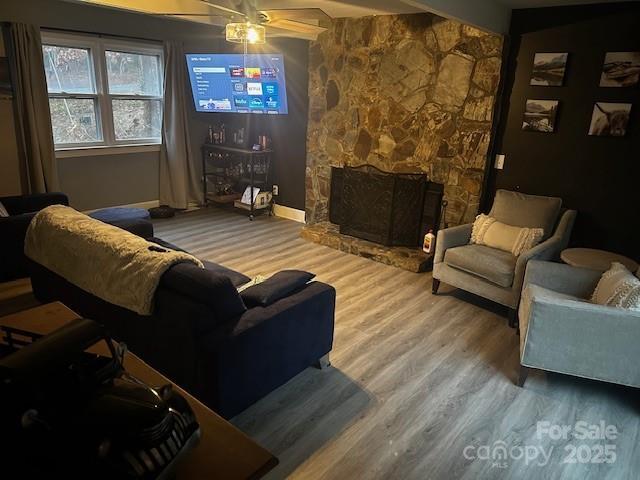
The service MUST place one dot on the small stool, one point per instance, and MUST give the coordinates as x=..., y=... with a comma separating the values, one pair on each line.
x=595, y=259
x=120, y=214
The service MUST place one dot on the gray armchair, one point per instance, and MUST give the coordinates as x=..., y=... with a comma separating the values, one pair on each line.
x=562, y=331
x=495, y=274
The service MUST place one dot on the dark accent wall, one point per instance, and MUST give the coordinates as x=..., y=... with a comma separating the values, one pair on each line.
x=598, y=176
x=288, y=132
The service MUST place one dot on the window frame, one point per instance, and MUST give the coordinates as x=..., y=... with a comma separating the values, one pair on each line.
x=98, y=46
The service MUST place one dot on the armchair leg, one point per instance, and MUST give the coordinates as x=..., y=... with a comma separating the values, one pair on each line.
x=434, y=286
x=513, y=318
x=323, y=362
x=522, y=375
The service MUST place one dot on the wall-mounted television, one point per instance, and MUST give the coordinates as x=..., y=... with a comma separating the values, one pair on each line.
x=235, y=83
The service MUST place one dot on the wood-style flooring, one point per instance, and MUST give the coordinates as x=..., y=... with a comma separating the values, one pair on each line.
x=416, y=378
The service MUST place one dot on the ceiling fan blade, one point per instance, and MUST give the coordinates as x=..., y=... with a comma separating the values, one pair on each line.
x=309, y=31
x=182, y=14
x=297, y=14
x=229, y=11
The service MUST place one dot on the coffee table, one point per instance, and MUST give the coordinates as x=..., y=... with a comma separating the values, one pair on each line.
x=595, y=259
x=223, y=450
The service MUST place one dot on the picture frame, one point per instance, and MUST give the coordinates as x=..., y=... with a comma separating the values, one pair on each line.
x=540, y=115
x=620, y=69
x=549, y=69
x=610, y=119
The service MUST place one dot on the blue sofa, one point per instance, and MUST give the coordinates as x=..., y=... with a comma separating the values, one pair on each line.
x=227, y=349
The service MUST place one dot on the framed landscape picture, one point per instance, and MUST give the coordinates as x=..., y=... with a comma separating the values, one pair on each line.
x=620, y=69
x=549, y=69
x=610, y=119
x=540, y=115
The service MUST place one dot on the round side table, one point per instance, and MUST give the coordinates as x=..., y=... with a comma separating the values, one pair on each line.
x=595, y=259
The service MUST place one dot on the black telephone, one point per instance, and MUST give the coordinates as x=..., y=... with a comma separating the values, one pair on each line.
x=70, y=413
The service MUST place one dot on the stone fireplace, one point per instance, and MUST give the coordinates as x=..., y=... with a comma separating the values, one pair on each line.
x=410, y=94
x=382, y=207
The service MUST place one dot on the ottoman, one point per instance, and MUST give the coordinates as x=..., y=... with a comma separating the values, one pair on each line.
x=135, y=220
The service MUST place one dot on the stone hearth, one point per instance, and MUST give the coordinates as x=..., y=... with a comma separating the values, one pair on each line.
x=328, y=234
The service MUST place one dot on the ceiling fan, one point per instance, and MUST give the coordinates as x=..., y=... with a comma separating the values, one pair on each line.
x=305, y=23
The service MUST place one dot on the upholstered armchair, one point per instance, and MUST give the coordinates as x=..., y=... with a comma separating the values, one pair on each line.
x=562, y=331
x=21, y=209
x=496, y=274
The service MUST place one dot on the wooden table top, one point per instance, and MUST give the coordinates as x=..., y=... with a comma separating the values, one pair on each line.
x=223, y=450
x=595, y=259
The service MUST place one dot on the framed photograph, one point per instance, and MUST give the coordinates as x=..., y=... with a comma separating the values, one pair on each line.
x=548, y=69
x=540, y=115
x=610, y=119
x=620, y=69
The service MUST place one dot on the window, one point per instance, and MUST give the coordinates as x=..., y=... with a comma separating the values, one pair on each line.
x=102, y=92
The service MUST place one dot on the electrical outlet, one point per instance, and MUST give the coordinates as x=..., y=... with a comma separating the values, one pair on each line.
x=499, y=161
x=275, y=189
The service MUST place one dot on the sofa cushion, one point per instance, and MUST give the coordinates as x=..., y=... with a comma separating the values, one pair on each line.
x=206, y=287
x=275, y=287
x=521, y=210
x=618, y=287
x=488, y=231
x=236, y=278
x=489, y=263
x=3, y=211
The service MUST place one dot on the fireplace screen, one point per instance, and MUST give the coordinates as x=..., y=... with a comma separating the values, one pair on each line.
x=385, y=208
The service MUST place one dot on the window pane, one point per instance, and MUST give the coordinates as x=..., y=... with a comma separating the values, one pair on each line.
x=74, y=120
x=137, y=119
x=133, y=73
x=68, y=69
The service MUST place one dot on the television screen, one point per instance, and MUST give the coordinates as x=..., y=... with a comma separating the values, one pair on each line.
x=231, y=83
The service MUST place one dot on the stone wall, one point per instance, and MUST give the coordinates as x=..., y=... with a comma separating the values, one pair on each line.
x=406, y=93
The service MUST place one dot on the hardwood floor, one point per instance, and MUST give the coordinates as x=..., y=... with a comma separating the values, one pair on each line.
x=416, y=378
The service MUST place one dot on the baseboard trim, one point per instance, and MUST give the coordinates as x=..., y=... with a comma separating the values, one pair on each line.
x=145, y=205
x=289, y=213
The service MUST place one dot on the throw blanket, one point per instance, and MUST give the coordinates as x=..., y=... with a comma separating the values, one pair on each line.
x=104, y=260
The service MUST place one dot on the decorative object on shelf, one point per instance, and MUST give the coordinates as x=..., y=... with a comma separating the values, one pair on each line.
x=549, y=69
x=540, y=115
x=610, y=119
x=620, y=69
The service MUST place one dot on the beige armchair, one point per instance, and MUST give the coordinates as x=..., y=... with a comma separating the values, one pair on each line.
x=495, y=274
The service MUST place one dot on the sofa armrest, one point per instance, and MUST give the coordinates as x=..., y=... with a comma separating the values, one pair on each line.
x=559, y=277
x=451, y=237
x=314, y=300
x=583, y=339
x=12, y=260
x=19, y=204
x=548, y=250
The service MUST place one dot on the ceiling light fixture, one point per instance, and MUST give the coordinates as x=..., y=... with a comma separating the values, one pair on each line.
x=245, y=32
